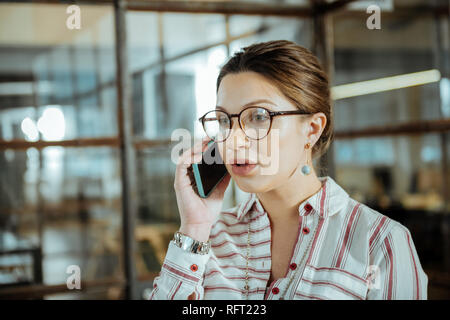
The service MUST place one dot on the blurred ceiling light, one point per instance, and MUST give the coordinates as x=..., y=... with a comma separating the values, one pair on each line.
x=29, y=129
x=362, y=5
x=52, y=124
x=384, y=84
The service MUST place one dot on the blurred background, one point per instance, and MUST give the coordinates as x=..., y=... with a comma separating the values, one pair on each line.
x=86, y=117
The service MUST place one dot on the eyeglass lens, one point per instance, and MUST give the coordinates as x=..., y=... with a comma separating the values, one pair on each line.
x=254, y=121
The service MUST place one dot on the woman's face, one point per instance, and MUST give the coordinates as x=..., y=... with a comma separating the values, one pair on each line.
x=282, y=151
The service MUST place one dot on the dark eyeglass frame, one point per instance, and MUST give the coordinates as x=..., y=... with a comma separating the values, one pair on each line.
x=272, y=114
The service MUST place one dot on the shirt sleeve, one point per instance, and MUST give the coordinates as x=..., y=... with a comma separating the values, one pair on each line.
x=181, y=275
x=397, y=272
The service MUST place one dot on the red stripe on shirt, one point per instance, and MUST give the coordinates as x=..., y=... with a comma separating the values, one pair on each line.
x=334, y=285
x=231, y=214
x=153, y=293
x=232, y=254
x=347, y=234
x=176, y=290
x=391, y=268
x=240, y=245
x=322, y=201
x=308, y=296
x=377, y=230
x=352, y=234
x=242, y=268
x=180, y=273
x=337, y=270
x=230, y=277
x=313, y=247
x=210, y=288
x=212, y=236
x=416, y=276
x=240, y=223
x=237, y=213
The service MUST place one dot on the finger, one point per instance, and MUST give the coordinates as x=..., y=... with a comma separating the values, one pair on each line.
x=198, y=147
x=201, y=146
x=187, y=158
x=193, y=154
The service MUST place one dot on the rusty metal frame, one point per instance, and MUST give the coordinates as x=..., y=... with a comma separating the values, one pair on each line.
x=248, y=8
x=127, y=152
x=408, y=128
x=322, y=46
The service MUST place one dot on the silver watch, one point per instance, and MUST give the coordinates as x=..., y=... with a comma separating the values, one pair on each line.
x=191, y=245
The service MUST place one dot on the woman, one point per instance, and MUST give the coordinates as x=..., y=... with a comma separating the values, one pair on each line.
x=297, y=236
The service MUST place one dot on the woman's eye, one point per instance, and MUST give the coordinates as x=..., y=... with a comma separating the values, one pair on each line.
x=259, y=117
x=223, y=120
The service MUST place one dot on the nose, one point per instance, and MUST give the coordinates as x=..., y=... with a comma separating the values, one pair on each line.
x=237, y=138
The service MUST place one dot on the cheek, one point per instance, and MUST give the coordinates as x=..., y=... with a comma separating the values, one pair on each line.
x=283, y=144
x=289, y=156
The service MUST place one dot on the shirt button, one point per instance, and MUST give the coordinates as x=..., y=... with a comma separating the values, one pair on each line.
x=192, y=296
x=293, y=266
x=308, y=207
x=275, y=290
x=194, y=267
x=305, y=230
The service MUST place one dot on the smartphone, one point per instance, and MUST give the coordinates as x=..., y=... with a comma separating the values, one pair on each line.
x=206, y=175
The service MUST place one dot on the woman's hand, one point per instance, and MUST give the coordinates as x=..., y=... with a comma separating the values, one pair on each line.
x=197, y=214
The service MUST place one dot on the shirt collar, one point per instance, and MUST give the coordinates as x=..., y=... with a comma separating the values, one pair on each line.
x=329, y=200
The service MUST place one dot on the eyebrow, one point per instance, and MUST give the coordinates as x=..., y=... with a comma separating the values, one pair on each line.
x=252, y=103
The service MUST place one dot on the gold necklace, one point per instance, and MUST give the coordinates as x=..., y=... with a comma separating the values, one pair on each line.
x=247, y=287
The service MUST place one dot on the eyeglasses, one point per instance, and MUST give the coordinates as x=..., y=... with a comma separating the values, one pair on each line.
x=255, y=122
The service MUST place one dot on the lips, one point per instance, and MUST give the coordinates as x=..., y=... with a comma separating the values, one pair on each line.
x=240, y=162
x=243, y=168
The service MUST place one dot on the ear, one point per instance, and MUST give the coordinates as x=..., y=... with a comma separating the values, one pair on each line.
x=315, y=126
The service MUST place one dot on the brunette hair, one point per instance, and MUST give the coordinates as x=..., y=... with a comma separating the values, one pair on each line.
x=296, y=72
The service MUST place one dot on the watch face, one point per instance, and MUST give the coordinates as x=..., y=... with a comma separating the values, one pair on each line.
x=205, y=247
x=190, y=244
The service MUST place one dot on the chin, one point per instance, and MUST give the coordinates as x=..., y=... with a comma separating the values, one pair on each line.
x=252, y=184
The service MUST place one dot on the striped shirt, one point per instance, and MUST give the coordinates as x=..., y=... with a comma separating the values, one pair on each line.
x=344, y=250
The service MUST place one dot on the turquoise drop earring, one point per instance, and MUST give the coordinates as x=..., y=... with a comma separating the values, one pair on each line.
x=306, y=169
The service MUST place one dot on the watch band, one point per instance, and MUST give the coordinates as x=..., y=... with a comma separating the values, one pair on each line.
x=191, y=245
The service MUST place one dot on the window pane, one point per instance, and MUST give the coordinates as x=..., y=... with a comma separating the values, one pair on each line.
x=397, y=49
x=388, y=108
x=186, y=32
x=69, y=70
x=158, y=217
x=142, y=39
x=269, y=28
x=177, y=97
x=72, y=196
x=407, y=159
